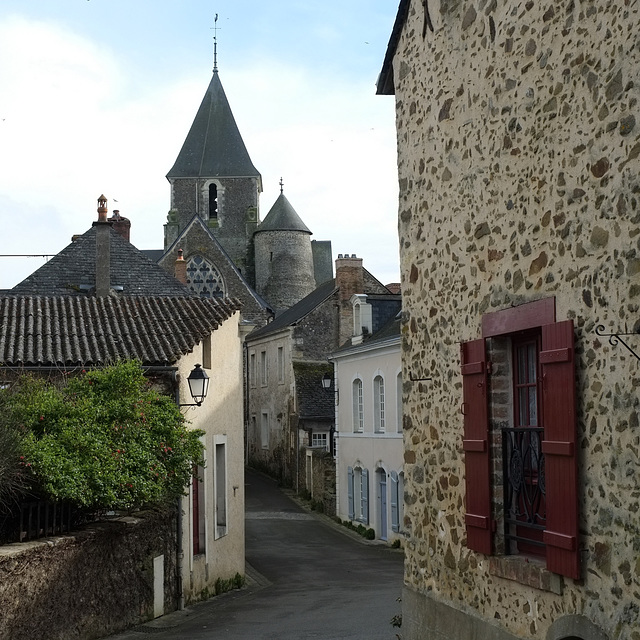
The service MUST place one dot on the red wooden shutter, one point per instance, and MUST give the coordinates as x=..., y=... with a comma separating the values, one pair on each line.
x=476, y=445
x=559, y=448
x=195, y=511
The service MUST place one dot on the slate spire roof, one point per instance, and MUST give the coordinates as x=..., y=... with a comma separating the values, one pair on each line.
x=213, y=147
x=282, y=217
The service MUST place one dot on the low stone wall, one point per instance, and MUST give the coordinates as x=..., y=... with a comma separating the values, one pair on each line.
x=88, y=585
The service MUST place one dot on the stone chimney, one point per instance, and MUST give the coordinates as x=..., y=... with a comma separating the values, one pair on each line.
x=121, y=225
x=103, y=250
x=349, y=280
x=180, y=268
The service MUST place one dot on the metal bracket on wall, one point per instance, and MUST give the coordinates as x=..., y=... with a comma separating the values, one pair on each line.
x=615, y=339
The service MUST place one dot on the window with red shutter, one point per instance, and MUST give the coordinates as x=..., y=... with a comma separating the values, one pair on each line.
x=544, y=517
x=476, y=446
x=559, y=448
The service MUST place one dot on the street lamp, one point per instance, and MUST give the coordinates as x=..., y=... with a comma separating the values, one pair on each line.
x=327, y=379
x=198, y=386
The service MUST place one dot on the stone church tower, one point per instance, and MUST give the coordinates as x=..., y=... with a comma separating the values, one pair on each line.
x=215, y=221
x=213, y=178
x=284, y=259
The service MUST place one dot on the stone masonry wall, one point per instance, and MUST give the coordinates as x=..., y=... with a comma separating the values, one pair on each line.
x=90, y=584
x=519, y=180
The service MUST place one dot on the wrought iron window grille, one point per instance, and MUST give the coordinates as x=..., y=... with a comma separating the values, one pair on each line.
x=524, y=484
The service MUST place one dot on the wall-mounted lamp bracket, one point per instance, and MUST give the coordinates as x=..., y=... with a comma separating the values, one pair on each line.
x=615, y=339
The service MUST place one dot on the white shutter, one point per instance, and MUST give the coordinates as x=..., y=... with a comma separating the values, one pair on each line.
x=365, y=495
x=350, y=491
x=395, y=522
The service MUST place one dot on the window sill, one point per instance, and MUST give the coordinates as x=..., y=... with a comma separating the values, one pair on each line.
x=527, y=571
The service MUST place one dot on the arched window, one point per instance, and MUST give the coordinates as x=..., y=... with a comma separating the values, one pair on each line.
x=378, y=404
x=204, y=279
x=358, y=406
x=213, y=201
x=399, y=403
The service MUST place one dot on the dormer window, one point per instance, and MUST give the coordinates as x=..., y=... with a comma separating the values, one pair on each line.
x=362, y=317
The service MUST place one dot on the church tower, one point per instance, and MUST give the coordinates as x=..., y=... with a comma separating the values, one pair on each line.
x=214, y=178
x=284, y=258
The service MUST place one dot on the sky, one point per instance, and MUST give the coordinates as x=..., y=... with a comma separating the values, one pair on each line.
x=97, y=97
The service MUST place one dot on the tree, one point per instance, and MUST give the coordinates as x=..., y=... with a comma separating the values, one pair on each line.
x=104, y=440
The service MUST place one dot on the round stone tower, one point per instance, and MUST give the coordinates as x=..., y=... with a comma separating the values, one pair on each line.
x=283, y=256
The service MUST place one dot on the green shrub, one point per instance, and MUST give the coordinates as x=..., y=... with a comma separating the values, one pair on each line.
x=13, y=480
x=105, y=440
x=370, y=534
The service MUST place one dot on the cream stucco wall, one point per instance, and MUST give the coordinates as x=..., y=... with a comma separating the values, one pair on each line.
x=373, y=451
x=221, y=417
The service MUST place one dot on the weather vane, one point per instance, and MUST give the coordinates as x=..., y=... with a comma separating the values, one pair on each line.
x=281, y=185
x=215, y=43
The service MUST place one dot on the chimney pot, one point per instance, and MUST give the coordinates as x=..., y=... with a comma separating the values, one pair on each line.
x=102, y=209
x=180, y=268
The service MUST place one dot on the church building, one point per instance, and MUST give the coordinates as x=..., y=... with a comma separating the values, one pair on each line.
x=215, y=221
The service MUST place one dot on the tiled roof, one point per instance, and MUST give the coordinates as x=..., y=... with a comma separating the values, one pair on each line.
x=72, y=272
x=72, y=330
x=213, y=146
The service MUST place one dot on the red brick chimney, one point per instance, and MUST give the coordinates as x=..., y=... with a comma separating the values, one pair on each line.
x=180, y=268
x=349, y=280
x=121, y=225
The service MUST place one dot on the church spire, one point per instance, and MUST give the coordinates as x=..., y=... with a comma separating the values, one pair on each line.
x=215, y=44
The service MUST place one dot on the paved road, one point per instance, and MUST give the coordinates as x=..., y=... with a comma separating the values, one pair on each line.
x=308, y=579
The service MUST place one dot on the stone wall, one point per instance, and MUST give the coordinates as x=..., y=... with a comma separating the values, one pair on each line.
x=91, y=584
x=519, y=180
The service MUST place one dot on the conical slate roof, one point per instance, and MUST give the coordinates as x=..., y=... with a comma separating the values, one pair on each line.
x=282, y=217
x=213, y=147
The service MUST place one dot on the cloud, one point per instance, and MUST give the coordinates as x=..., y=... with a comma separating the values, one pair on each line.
x=76, y=125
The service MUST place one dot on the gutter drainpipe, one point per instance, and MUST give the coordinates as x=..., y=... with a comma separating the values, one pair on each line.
x=179, y=553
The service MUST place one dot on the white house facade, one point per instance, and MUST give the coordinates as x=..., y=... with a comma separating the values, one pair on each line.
x=369, y=449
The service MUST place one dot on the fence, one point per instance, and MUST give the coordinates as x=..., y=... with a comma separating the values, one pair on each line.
x=39, y=519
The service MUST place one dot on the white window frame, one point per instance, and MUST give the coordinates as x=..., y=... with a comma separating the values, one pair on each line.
x=264, y=430
x=220, y=491
x=320, y=439
x=358, y=405
x=378, y=404
x=281, y=365
x=252, y=369
x=399, y=402
x=263, y=368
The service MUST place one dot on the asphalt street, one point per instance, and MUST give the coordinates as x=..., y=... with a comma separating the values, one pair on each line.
x=307, y=578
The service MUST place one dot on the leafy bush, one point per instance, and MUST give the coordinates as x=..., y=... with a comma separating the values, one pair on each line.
x=105, y=440
x=12, y=473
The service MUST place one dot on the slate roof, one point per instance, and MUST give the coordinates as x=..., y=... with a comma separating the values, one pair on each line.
x=385, y=84
x=298, y=311
x=72, y=272
x=282, y=217
x=390, y=332
x=71, y=330
x=313, y=401
x=213, y=146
